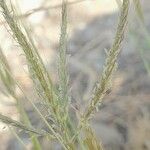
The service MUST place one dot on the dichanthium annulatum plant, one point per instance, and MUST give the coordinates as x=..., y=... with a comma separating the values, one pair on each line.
x=57, y=101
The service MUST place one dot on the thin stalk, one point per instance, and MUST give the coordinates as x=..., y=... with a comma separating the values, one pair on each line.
x=63, y=75
x=110, y=64
x=17, y=124
x=109, y=67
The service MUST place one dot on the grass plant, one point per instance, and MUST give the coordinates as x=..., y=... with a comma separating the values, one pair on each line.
x=58, y=101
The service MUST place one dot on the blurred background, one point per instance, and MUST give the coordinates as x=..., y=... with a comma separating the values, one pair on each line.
x=123, y=122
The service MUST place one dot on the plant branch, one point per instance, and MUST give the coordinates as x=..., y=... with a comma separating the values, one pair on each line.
x=110, y=64
x=19, y=125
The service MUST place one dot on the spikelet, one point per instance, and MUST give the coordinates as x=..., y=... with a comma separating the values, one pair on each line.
x=111, y=63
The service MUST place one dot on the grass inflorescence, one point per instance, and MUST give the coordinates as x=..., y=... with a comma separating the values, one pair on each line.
x=58, y=100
